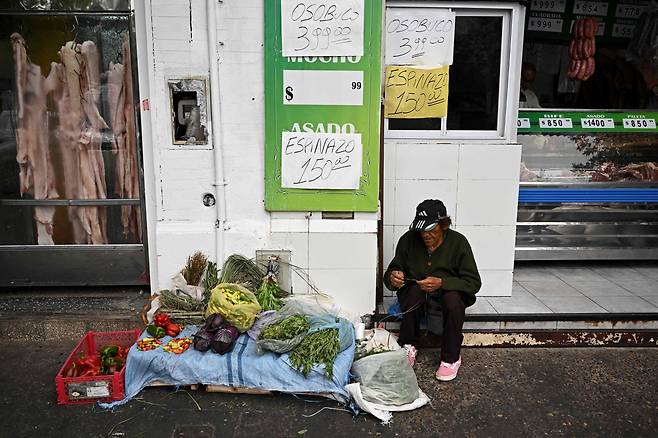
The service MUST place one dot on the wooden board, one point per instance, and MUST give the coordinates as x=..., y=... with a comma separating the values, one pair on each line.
x=236, y=390
x=158, y=384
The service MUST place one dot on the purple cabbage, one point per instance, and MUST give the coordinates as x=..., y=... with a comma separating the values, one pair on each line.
x=202, y=340
x=224, y=340
x=214, y=322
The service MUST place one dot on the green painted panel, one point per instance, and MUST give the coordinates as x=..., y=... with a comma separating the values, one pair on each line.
x=365, y=118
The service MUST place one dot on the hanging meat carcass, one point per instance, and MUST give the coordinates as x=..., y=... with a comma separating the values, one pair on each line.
x=83, y=85
x=67, y=133
x=124, y=147
x=32, y=147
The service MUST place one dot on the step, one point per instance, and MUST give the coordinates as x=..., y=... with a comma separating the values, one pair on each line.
x=55, y=314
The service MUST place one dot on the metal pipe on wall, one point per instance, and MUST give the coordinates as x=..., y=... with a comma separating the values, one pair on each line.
x=218, y=158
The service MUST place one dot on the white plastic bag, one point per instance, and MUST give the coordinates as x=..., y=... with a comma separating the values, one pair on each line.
x=387, y=378
x=180, y=285
x=383, y=412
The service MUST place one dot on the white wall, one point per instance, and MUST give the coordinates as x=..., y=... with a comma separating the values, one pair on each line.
x=339, y=255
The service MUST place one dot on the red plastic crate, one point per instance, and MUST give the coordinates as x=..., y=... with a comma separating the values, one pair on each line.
x=106, y=388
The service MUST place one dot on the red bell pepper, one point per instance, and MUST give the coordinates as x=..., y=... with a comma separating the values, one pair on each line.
x=161, y=320
x=172, y=330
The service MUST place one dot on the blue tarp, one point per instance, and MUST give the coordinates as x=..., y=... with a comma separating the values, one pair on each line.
x=242, y=367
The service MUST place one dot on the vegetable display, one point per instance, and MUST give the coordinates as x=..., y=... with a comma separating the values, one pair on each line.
x=148, y=344
x=173, y=330
x=320, y=347
x=285, y=329
x=216, y=334
x=224, y=340
x=177, y=345
x=194, y=268
x=235, y=303
x=268, y=294
x=107, y=360
x=155, y=331
x=161, y=320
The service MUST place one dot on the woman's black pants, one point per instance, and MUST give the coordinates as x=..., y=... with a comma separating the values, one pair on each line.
x=412, y=302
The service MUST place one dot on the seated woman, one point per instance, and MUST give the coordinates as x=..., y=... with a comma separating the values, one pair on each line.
x=432, y=258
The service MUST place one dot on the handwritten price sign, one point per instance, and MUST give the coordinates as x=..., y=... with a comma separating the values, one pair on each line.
x=320, y=161
x=312, y=28
x=416, y=93
x=422, y=36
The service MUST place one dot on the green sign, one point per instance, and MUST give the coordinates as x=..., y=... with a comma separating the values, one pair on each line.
x=552, y=19
x=547, y=121
x=322, y=113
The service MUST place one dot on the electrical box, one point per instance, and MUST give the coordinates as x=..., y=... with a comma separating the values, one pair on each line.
x=189, y=110
x=282, y=258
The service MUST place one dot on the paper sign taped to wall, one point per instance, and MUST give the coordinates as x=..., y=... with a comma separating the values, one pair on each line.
x=416, y=93
x=419, y=36
x=330, y=28
x=312, y=160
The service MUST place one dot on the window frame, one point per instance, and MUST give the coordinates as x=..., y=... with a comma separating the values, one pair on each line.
x=513, y=16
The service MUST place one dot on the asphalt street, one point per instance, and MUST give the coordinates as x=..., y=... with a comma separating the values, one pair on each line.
x=522, y=392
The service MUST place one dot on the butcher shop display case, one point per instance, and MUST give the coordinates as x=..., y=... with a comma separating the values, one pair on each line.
x=587, y=126
x=71, y=199
x=589, y=185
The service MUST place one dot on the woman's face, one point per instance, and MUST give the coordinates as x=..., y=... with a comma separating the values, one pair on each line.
x=433, y=237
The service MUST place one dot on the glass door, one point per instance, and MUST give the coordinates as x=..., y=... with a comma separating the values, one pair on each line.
x=70, y=161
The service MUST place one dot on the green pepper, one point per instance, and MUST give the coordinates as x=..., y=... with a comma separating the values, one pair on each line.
x=110, y=351
x=155, y=331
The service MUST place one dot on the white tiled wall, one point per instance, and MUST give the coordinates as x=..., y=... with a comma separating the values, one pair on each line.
x=487, y=202
x=492, y=245
x=496, y=283
x=426, y=161
x=352, y=289
x=408, y=193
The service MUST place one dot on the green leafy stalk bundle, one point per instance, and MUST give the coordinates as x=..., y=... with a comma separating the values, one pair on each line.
x=241, y=270
x=210, y=280
x=268, y=294
x=286, y=328
x=319, y=347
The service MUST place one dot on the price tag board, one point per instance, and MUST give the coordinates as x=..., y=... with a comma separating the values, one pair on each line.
x=523, y=122
x=555, y=123
x=640, y=123
x=625, y=10
x=323, y=87
x=545, y=24
x=582, y=7
x=597, y=123
x=622, y=30
x=548, y=5
x=533, y=121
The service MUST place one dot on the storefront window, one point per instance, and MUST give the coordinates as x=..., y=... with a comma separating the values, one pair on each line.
x=68, y=141
x=476, y=100
x=588, y=94
x=475, y=74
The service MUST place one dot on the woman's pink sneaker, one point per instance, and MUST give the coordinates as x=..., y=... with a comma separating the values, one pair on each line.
x=448, y=371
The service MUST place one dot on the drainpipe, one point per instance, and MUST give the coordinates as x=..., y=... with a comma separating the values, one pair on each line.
x=218, y=158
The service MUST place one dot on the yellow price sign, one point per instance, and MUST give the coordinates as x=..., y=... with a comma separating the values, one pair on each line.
x=416, y=93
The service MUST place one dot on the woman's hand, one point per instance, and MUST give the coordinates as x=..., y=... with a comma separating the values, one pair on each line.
x=397, y=279
x=430, y=284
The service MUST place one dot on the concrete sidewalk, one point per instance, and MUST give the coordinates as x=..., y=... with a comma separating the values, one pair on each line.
x=499, y=392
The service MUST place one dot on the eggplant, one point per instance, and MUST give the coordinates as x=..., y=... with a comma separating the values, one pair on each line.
x=214, y=322
x=202, y=340
x=224, y=340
